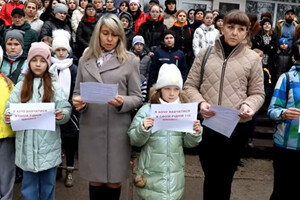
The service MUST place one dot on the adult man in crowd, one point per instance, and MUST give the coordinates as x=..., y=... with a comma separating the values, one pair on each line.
x=18, y=20
x=287, y=28
x=31, y=15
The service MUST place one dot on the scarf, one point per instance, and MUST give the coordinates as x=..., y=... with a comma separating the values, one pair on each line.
x=164, y=102
x=14, y=57
x=64, y=76
x=104, y=57
x=91, y=19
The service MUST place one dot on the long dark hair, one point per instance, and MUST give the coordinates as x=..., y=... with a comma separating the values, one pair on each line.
x=27, y=87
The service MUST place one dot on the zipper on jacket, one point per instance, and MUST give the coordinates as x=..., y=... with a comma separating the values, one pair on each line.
x=168, y=155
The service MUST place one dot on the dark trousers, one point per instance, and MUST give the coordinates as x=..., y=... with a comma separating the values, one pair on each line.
x=70, y=146
x=219, y=157
x=286, y=164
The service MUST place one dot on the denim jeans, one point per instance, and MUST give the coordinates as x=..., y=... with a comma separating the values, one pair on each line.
x=40, y=185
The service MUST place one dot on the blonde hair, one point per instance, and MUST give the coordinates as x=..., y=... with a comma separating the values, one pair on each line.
x=113, y=23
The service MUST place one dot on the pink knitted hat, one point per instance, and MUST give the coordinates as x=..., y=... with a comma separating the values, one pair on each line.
x=39, y=49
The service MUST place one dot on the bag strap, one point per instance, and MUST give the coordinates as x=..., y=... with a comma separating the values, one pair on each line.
x=15, y=75
x=287, y=87
x=204, y=60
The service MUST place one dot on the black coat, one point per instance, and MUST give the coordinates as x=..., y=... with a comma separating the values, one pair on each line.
x=83, y=35
x=152, y=32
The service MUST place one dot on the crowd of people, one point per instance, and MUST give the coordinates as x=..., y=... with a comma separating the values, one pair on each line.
x=163, y=56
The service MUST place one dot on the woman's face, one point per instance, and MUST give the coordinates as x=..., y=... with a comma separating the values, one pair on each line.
x=46, y=4
x=53, y=4
x=61, y=16
x=181, y=18
x=169, y=40
x=219, y=23
x=109, y=4
x=91, y=12
x=234, y=34
x=83, y=3
x=133, y=7
x=191, y=15
x=108, y=39
x=123, y=7
x=208, y=19
x=98, y=4
x=267, y=27
x=171, y=6
x=154, y=13
x=13, y=47
x=38, y=66
x=199, y=16
x=170, y=93
x=72, y=5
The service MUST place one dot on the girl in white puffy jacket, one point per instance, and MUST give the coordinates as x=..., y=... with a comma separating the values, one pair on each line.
x=206, y=34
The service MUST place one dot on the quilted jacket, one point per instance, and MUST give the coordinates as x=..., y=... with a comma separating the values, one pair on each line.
x=161, y=158
x=38, y=150
x=229, y=81
x=5, y=130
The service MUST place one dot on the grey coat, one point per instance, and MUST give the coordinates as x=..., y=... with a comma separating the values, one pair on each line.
x=104, y=147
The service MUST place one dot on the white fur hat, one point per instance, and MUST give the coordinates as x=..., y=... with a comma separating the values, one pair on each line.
x=169, y=75
x=61, y=39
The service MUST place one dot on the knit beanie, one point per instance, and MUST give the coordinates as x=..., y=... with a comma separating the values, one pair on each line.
x=262, y=22
x=15, y=34
x=134, y=1
x=61, y=39
x=154, y=1
x=169, y=75
x=283, y=40
x=266, y=14
x=125, y=15
x=167, y=32
x=169, y=1
x=39, y=49
x=138, y=39
x=18, y=11
x=61, y=8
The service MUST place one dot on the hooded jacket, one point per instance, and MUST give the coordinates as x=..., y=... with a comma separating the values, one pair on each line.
x=152, y=31
x=128, y=31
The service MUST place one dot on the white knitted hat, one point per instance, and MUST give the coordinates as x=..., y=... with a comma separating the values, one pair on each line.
x=134, y=1
x=138, y=39
x=169, y=75
x=61, y=39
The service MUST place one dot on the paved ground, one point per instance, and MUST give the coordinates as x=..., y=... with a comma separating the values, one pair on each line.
x=253, y=181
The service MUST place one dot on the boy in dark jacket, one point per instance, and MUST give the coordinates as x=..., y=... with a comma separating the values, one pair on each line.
x=283, y=59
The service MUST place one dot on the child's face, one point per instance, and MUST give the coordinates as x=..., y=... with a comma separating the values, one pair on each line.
x=125, y=22
x=283, y=46
x=219, y=23
x=170, y=93
x=169, y=40
x=38, y=66
x=13, y=46
x=61, y=53
x=138, y=47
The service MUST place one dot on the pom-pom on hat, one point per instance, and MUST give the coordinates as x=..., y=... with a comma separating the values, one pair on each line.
x=138, y=39
x=134, y=1
x=15, y=34
x=283, y=40
x=61, y=8
x=39, y=49
x=61, y=39
x=169, y=75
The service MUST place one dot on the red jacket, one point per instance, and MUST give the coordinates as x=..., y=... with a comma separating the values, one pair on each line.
x=6, y=10
x=141, y=19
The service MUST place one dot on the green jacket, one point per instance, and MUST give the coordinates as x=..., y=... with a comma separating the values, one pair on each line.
x=161, y=158
x=39, y=150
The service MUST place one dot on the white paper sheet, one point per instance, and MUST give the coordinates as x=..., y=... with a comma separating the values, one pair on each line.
x=100, y=93
x=174, y=117
x=27, y=116
x=224, y=121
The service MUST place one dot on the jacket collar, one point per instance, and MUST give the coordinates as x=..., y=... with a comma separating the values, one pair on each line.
x=91, y=67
